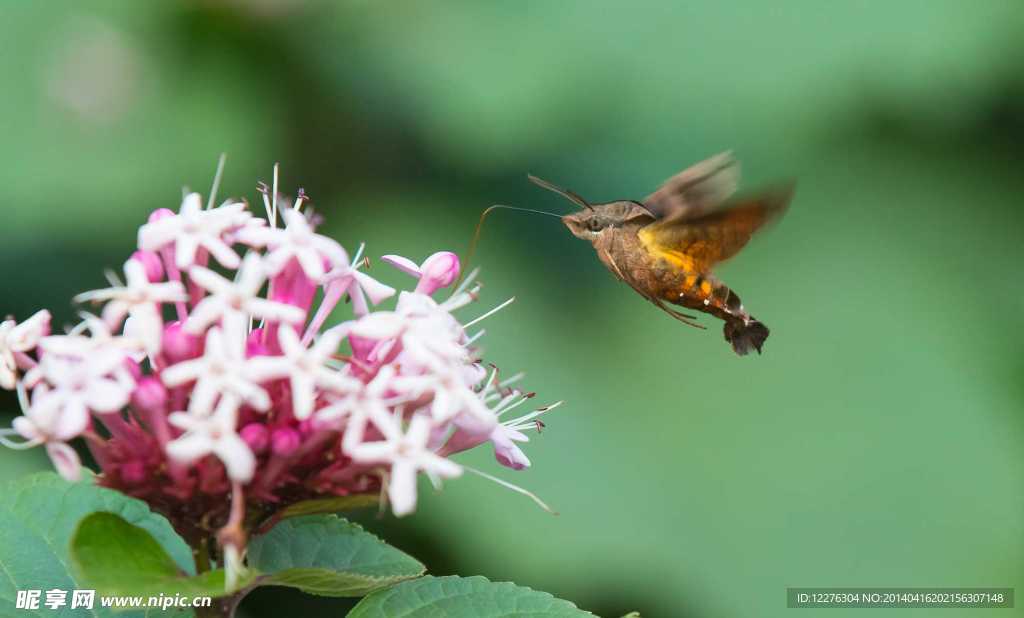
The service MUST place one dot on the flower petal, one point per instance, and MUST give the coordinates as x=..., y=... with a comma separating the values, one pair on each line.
x=402, y=488
x=65, y=460
x=403, y=264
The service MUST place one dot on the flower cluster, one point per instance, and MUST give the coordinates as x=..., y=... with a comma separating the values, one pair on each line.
x=211, y=371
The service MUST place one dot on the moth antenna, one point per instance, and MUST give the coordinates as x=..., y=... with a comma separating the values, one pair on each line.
x=567, y=194
x=479, y=226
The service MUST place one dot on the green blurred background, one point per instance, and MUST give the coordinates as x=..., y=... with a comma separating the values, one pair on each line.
x=879, y=441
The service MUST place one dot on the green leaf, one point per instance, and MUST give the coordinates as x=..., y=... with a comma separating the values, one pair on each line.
x=329, y=556
x=117, y=558
x=335, y=504
x=37, y=518
x=462, y=597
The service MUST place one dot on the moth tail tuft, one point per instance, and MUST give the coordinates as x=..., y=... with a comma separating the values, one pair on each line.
x=745, y=336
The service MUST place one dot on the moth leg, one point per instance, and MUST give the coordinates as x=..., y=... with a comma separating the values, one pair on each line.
x=682, y=317
x=611, y=260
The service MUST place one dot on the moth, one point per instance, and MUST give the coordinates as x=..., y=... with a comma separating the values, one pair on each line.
x=666, y=246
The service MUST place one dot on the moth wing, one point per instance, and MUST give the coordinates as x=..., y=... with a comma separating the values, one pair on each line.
x=719, y=235
x=697, y=190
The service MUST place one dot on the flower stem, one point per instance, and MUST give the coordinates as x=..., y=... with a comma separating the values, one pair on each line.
x=201, y=555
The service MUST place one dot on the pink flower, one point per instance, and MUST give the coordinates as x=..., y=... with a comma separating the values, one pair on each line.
x=255, y=389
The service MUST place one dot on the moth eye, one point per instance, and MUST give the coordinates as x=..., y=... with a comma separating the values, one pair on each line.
x=593, y=225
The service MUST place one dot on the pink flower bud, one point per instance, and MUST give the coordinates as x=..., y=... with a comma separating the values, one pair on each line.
x=284, y=441
x=256, y=436
x=179, y=345
x=133, y=472
x=150, y=395
x=152, y=263
x=160, y=213
x=438, y=271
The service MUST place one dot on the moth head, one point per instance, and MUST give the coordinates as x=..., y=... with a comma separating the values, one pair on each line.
x=586, y=224
x=595, y=219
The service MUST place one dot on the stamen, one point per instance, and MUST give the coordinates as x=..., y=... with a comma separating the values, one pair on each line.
x=359, y=253
x=112, y=279
x=474, y=338
x=274, y=197
x=515, y=488
x=434, y=480
x=491, y=312
x=466, y=282
x=512, y=380
x=523, y=420
x=216, y=180
x=264, y=189
x=17, y=446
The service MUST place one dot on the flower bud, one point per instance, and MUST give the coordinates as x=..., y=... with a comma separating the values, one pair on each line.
x=505, y=450
x=150, y=395
x=438, y=271
x=256, y=436
x=160, y=213
x=284, y=441
x=179, y=345
x=152, y=263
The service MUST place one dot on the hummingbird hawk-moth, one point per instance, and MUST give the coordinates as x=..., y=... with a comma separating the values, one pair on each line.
x=666, y=246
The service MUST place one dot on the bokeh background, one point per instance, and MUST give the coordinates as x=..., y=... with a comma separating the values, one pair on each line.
x=879, y=441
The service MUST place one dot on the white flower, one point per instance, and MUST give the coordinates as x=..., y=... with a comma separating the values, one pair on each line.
x=234, y=302
x=67, y=388
x=215, y=434
x=407, y=454
x=364, y=403
x=346, y=277
x=194, y=227
x=306, y=368
x=297, y=241
x=51, y=425
x=141, y=299
x=430, y=336
x=46, y=420
x=17, y=339
x=220, y=371
x=81, y=347
x=452, y=396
